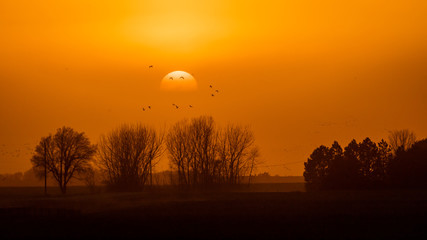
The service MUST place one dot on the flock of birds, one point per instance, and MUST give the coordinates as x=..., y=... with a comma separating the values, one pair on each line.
x=6, y=152
x=216, y=91
x=171, y=78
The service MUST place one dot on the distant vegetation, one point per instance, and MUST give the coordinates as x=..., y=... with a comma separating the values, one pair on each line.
x=369, y=165
x=29, y=179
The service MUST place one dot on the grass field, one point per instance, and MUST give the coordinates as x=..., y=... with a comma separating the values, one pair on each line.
x=260, y=212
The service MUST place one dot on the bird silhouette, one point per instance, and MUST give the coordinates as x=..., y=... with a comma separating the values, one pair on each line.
x=190, y=106
x=176, y=106
x=143, y=109
x=210, y=86
x=181, y=77
x=149, y=107
x=151, y=66
x=212, y=95
x=171, y=78
x=216, y=91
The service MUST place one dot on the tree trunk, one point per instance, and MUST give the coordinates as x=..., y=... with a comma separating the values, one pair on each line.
x=45, y=169
x=63, y=188
x=45, y=178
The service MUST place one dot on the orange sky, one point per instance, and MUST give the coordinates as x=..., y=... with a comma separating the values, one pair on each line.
x=301, y=73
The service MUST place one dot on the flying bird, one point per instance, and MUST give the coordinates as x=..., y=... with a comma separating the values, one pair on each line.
x=191, y=106
x=149, y=107
x=151, y=66
x=143, y=109
x=176, y=106
x=171, y=78
x=181, y=77
x=212, y=95
x=216, y=91
x=210, y=86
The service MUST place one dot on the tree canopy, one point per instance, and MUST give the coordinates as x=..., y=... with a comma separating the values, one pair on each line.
x=63, y=156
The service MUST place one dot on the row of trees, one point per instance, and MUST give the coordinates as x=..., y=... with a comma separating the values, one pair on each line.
x=199, y=151
x=398, y=162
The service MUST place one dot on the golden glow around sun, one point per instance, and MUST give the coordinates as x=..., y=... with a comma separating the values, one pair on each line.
x=178, y=81
x=177, y=27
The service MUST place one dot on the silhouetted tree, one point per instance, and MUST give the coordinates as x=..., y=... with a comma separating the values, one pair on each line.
x=64, y=155
x=351, y=169
x=368, y=154
x=234, y=148
x=44, y=153
x=337, y=169
x=379, y=167
x=127, y=156
x=316, y=167
x=408, y=168
x=180, y=153
x=203, y=143
x=253, y=156
x=401, y=139
x=204, y=155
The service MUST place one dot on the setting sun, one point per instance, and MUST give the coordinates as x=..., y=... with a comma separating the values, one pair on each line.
x=178, y=81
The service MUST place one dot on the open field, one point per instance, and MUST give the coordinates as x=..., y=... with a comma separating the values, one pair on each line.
x=25, y=212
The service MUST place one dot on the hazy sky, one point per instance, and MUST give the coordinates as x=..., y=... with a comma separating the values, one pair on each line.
x=300, y=73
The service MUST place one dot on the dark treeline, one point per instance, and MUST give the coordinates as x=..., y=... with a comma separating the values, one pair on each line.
x=159, y=178
x=199, y=152
x=399, y=163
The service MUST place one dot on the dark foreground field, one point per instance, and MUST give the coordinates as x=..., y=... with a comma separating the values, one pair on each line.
x=259, y=212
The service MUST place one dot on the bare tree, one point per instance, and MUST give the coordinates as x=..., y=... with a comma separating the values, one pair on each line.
x=180, y=154
x=234, y=148
x=64, y=155
x=401, y=139
x=128, y=154
x=253, y=162
x=43, y=154
x=203, y=155
x=202, y=140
